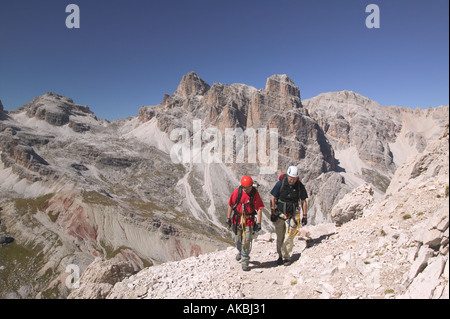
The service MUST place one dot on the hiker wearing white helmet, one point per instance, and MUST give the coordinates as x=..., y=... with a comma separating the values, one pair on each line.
x=288, y=204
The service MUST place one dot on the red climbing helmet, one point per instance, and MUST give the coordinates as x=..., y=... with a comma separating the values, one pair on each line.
x=246, y=181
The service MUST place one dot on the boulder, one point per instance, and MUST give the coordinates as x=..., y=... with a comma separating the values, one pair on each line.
x=426, y=282
x=352, y=205
x=4, y=239
x=440, y=219
x=435, y=230
x=420, y=262
x=99, y=278
x=432, y=238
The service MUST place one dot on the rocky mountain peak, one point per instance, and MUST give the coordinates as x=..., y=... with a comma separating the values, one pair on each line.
x=349, y=98
x=57, y=110
x=242, y=106
x=191, y=85
x=56, y=97
x=57, y=102
x=1, y=105
x=281, y=84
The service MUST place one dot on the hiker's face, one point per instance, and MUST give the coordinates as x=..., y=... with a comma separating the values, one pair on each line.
x=248, y=189
x=292, y=180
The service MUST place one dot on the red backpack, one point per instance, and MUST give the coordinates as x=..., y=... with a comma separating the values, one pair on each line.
x=281, y=177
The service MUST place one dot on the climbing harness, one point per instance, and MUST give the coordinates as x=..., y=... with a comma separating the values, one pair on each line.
x=293, y=230
x=236, y=214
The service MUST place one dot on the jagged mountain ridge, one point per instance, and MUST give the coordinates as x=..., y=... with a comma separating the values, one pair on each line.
x=98, y=183
x=242, y=106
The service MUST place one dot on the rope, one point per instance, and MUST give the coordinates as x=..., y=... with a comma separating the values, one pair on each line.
x=297, y=220
x=243, y=225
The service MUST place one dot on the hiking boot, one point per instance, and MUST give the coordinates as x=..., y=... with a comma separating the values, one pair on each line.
x=287, y=263
x=245, y=267
x=238, y=257
x=279, y=261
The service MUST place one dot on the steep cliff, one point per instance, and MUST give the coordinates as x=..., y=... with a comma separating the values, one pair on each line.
x=300, y=138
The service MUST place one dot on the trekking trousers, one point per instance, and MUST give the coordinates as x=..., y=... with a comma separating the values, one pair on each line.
x=243, y=243
x=285, y=242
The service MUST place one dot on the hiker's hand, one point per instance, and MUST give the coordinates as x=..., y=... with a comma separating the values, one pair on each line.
x=304, y=220
x=257, y=228
x=273, y=218
x=229, y=222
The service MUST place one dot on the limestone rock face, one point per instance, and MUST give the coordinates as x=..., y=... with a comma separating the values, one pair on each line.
x=371, y=141
x=349, y=118
x=23, y=160
x=284, y=89
x=278, y=106
x=432, y=162
x=192, y=85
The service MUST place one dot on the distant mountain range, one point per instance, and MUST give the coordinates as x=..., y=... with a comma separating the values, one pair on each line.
x=75, y=187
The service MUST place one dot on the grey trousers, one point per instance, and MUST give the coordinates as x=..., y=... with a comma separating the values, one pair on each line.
x=243, y=243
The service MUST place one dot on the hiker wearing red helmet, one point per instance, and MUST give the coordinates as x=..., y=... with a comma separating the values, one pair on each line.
x=244, y=217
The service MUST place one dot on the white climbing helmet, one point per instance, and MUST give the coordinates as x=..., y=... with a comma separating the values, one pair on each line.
x=292, y=171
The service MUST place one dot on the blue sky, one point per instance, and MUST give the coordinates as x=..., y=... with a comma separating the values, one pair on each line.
x=127, y=54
